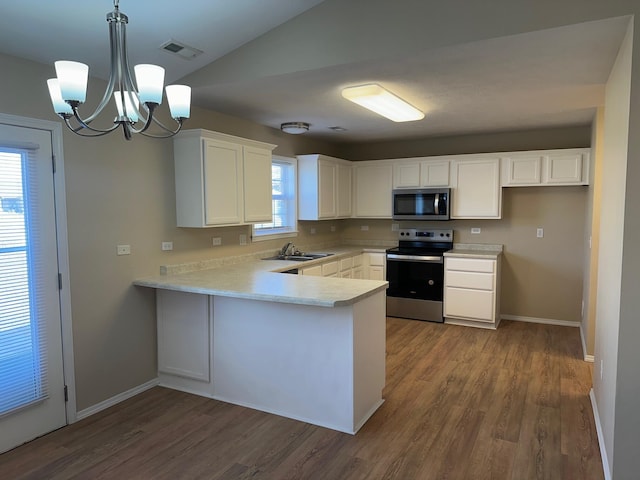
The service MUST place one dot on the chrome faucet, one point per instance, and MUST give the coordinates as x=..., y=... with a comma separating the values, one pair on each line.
x=286, y=248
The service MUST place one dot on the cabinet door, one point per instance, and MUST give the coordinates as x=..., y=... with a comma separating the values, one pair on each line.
x=406, y=175
x=343, y=192
x=257, y=184
x=315, y=271
x=183, y=334
x=471, y=304
x=476, y=188
x=564, y=168
x=374, y=184
x=330, y=269
x=522, y=170
x=222, y=182
x=434, y=174
x=326, y=189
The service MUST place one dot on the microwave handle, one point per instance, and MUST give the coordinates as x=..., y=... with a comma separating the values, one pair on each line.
x=435, y=204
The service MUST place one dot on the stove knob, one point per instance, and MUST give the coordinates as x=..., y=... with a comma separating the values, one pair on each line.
x=431, y=283
x=448, y=234
x=442, y=234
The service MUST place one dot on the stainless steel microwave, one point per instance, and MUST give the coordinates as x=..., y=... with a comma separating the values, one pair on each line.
x=421, y=203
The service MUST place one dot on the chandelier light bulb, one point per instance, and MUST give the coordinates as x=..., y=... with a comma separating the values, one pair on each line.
x=59, y=105
x=150, y=80
x=72, y=78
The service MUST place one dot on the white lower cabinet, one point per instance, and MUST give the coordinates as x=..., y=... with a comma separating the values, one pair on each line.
x=369, y=266
x=314, y=271
x=471, y=291
x=375, y=265
x=184, y=340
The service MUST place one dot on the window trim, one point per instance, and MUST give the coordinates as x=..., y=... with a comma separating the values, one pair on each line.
x=274, y=233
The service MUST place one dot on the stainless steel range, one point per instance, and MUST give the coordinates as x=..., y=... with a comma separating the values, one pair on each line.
x=415, y=272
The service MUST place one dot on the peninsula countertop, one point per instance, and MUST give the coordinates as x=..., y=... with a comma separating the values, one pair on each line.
x=263, y=280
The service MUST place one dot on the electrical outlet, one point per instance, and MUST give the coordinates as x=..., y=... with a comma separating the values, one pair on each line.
x=333, y=228
x=312, y=231
x=540, y=232
x=217, y=241
x=123, y=249
x=243, y=239
x=167, y=246
x=364, y=228
x=476, y=230
x=395, y=227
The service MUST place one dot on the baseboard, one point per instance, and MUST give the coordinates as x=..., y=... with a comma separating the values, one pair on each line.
x=546, y=321
x=603, y=451
x=587, y=357
x=110, y=402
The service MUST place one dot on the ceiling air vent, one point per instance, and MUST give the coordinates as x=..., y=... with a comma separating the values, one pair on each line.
x=180, y=49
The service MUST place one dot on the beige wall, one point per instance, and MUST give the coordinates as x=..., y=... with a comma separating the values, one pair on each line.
x=541, y=139
x=612, y=219
x=541, y=278
x=592, y=235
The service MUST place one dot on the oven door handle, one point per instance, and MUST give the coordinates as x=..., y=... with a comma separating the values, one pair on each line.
x=415, y=258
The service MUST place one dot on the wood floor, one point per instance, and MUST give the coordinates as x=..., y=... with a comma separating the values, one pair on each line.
x=461, y=403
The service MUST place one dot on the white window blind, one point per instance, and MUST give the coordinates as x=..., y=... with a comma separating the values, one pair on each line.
x=283, y=197
x=22, y=354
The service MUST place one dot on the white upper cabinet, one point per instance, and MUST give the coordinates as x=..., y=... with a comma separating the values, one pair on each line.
x=476, y=191
x=546, y=167
x=324, y=187
x=344, y=194
x=417, y=173
x=257, y=192
x=373, y=186
x=221, y=179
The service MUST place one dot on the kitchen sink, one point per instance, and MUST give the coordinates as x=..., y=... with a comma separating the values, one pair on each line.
x=302, y=257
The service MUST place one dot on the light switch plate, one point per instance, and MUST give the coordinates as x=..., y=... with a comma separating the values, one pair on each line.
x=476, y=230
x=216, y=241
x=540, y=232
x=167, y=246
x=123, y=249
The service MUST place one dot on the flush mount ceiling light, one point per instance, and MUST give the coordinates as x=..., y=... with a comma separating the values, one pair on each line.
x=382, y=102
x=295, y=128
x=135, y=101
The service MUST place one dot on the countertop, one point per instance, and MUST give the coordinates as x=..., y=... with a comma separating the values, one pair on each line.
x=261, y=280
x=473, y=250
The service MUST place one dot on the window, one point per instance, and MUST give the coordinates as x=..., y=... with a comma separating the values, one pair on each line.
x=283, y=197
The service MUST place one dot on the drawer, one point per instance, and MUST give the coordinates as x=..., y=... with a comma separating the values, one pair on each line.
x=330, y=269
x=346, y=263
x=470, y=264
x=469, y=304
x=376, y=259
x=357, y=260
x=480, y=281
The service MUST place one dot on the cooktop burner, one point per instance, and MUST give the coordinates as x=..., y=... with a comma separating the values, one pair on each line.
x=423, y=242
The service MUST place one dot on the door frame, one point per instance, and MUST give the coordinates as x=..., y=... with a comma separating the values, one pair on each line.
x=55, y=128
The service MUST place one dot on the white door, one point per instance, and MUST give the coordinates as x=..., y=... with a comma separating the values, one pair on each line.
x=32, y=399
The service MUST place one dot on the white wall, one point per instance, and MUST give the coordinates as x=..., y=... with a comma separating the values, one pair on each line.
x=616, y=131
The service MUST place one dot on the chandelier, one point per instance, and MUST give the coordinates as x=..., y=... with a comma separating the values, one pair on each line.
x=136, y=102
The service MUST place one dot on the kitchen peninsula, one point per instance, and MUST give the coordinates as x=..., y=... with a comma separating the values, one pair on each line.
x=304, y=347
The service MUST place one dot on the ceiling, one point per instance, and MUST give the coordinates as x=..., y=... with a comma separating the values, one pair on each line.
x=519, y=82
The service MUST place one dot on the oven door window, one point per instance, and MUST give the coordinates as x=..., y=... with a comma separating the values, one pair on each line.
x=412, y=279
